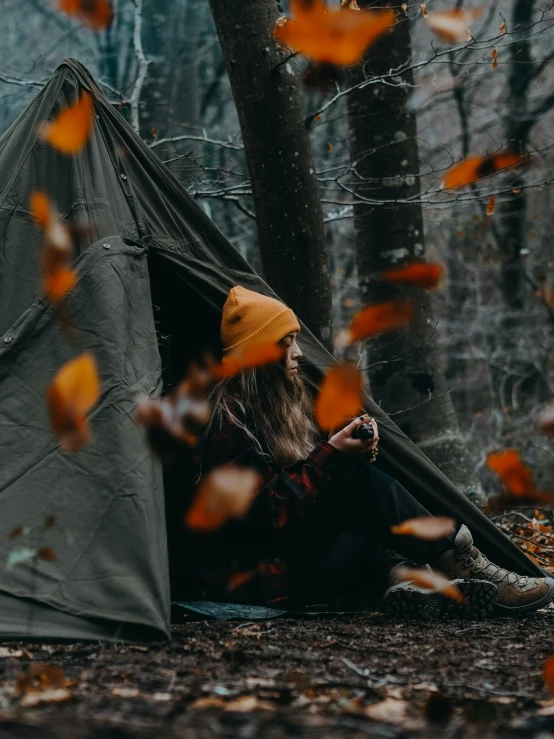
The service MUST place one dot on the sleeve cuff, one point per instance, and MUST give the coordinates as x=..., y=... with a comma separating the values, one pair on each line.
x=325, y=455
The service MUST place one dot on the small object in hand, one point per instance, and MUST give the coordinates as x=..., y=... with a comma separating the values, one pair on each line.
x=363, y=431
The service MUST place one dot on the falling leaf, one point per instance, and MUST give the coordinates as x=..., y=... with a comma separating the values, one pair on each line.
x=95, y=14
x=404, y=7
x=491, y=206
x=515, y=475
x=59, y=283
x=475, y=168
x=175, y=419
x=426, y=527
x=549, y=674
x=503, y=28
x=333, y=35
x=14, y=533
x=238, y=579
x=430, y=581
x=252, y=356
x=377, y=319
x=516, y=191
x=545, y=420
x=17, y=556
x=388, y=711
x=72, y=128
x=452, y=25
x=423, y=9
x=494, y=57
x=225, y=493
x=339, y=396
x=419, y=273
x=46, y=553
x=72, y=394
x=42, y=683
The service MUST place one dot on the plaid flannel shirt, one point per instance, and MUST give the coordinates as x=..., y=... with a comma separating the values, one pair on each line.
x=283, y=498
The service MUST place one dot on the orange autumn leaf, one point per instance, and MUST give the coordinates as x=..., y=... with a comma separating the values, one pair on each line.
x=96, y=14
x=376, y=319
x=494, y=57
x=475, y=168
x=430, y=581
x=72, y=128
x=339, y=396
x=58, y=283
x=238, y=579
x=452, y=25
x=515, y=475
x=423, y=8
x=252, y=356
x=72, y=394
x=48, y=219
x=491, y=206
x=503, y=28
x=332, y=35
x=426, y=527
x=548, y=674
x=226, y=493
x=423, y=275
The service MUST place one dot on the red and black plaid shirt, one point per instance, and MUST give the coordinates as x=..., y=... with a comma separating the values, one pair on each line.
x=283, y=498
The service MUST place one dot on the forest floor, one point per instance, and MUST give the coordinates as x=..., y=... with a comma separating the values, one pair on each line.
x=350, y=676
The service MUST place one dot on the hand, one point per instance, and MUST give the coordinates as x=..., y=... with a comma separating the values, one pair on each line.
x=343, y=441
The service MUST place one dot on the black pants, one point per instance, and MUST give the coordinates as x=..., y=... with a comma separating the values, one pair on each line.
x=345, y=545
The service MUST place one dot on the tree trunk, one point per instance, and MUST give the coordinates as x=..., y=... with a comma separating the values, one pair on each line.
x=405, y=370
x=282, y=171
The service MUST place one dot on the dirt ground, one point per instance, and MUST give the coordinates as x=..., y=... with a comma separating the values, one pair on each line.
x=354, y=676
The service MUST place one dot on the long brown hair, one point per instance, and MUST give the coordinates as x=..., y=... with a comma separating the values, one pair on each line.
x=275, y=410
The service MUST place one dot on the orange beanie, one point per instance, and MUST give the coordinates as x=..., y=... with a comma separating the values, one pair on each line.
x=250, y=318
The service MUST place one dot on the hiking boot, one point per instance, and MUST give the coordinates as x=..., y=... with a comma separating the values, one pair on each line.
x=405, y=599
x=516, y=593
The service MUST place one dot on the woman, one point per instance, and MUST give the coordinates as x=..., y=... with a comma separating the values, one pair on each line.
x=320, y=524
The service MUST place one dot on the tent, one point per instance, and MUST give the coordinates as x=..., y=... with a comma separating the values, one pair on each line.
x=152, y=263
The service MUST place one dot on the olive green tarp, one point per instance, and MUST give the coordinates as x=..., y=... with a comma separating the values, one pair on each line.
x=147, y=243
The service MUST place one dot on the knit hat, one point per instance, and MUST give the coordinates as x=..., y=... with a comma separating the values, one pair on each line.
x=250, y=318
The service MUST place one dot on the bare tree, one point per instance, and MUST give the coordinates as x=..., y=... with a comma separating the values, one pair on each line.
x=282, y=170
x=406, y=373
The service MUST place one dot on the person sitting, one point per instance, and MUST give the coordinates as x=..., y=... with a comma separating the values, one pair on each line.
x=320, y=524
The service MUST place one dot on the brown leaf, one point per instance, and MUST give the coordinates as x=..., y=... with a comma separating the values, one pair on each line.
x=41, y=677
x=491, y=206
x=475, y=168
x=420, y=274
x=238, y=579
x=95, y=14
x=248, y=703
x=339, y=396
x=426, y=527
x=545, y=420
x=494, y=57
x=46, y=553
x=72, y=394
x=503, y=28
x=208, y=701
x=49, y=521
x=14, y=533
x=225, y=493
x=430, y=581
x=70, y=131
x=389, y=711
x=333, y=35
x=549, y=674
x=452, y=25
x=423, y=9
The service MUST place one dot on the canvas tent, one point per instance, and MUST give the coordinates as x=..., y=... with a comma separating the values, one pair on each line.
x=148, y=243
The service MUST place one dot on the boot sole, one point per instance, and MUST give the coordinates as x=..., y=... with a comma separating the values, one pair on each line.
x=414, y=603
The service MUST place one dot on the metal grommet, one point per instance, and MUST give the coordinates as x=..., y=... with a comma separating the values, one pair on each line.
x=8, y=340
x=123, y=176
x=106, y=246
x=276, y=560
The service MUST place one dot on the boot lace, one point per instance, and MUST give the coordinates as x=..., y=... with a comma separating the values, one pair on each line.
x=483, y=565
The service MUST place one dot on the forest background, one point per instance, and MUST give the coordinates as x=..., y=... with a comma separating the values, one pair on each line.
x=323, y=178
